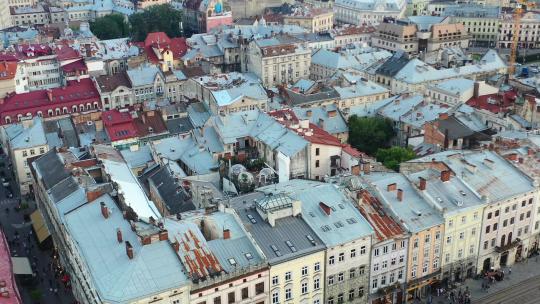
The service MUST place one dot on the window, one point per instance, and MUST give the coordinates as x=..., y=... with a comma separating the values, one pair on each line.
x=360, y=292
x=394, y=246
x=375, y=266
x=351, y=294
x=505, y=223
x=385, y=249
x=383, y=280
x=331, y=260
x=374, y=283
x=496, y=212
x=393, y=261
x=495, y=226
x=403, y=243
x=514, y=206
x=275, y=280
x=363, y=250
x=488, y=229
x=317, y=266
x=391, y=278
x=231, y=297
x=32, y=152
x=288, y=276
x=511, y=220
x=489, y=216
x=376, y=252
x=413, y=272
x=361, y=270
x=529, y=214
x=353, y=253
x=288, y=294
x=400, y=274
x=471, y=249
x=352, y=273
x=401, y=258
x=341, y=257
x=493, y=242
x=415, y=244
x=340, y=277
x=317, y=163
x=425, y=267
x=463, y=219
x=449, y=239
x=316, y=283
x=461, y=235
x=473, y=231
x=245, y=293
x=507, y=209
x=450, y=223
x=486, y=243
x=331, y=280
x=304, y=270
x=275, y=297
x=317, y=151
x=259, y=288
x=384, y=264
x=435, y=263
x=24, y=153
x=427, y=238
x=41, y=150
x=217, y=300
x=331, y=300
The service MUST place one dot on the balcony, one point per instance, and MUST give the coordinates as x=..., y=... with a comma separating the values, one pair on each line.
x=508, y=246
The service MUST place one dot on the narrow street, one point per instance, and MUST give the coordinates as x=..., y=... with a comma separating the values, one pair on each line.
x=45, y=287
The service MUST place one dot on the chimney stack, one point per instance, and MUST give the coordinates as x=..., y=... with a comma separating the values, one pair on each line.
x=391, y=187
x=443, y=116
x=445, y=175
x=119, y=235
x=521, y=160
x=129, y=250
x=400, y=195
x=226, y=234
x=476, y=89
x=423, y=183
x=163, y=235
x=512, y=157
x=104, y=210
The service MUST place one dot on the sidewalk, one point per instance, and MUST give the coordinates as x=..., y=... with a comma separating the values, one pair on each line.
x=522, y=271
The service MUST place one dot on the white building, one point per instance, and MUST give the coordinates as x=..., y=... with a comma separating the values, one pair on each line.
x=370, y=12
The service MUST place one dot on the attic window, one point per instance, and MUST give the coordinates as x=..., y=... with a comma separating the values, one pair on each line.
x=232, y=261
x=352, y=221
x=338, y=224
x=248, y=255
x=325, y=228
x=341, y=206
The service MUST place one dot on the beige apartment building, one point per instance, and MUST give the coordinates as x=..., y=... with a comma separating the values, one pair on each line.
x=314, y=19
x=278, y=60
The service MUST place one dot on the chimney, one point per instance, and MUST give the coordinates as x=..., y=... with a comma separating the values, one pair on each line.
x=129, y=250
x=104, y=210
x=367, y=168
x=445, y=175
x=476, y=89
x=512, y=157
x=176, y=246
x=49, y=94
x=226, y=234
x=423, y=183
x=521, y=160
x=530, y=151
x=163, y=235
x=119, y=235
x=325, y=208
x=391, y=187
x=443, y=116
x=400, y=195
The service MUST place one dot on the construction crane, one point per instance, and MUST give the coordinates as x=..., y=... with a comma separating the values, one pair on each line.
x=521, y=6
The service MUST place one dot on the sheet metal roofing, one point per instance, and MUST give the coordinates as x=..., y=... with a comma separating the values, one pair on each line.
x=415, y=212
x=233, y=254
x=144, y=75
x=456, y=86
x=272, y=240
x=384, y=225
x=400, y=106
x=360, y=88
x=486, y=172
x=325, y=209
x=418, y=116
x=129, y=187
x=375, y=5
x=231, y=87
x=452, y=196
x=118, y=279
x=186, y=150
x=21, y=137
x=417, y=71
x=331, y=124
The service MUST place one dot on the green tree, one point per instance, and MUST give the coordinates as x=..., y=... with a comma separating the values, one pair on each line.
x=368, y=134
x=110, y=27
x=392, y=157
x=157, y=18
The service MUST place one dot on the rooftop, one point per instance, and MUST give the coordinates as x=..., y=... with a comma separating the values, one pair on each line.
x=26, y=135
x=231, y=87
x=290, y=238
x=385, y=226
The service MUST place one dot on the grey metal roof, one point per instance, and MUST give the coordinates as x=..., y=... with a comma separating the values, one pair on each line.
x=175, y=198
x=51, y=169
x=393, y=65
x=292, y=229
x=179, y=125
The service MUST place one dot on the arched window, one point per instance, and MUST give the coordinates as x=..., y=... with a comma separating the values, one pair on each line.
x=8, y=119
x=39, y=114
x=88, y=107
x=81, y=107
x=50, y=112
x=96, y=105
x=57, y=111
x=503, y=238
x=28, y=114
x=65, y=110
x=19, y=117
x=74, y=109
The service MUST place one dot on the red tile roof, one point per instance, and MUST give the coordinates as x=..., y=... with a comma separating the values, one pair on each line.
x=8, y=69
x=78, y=65
x=314, y=134
x=495, y=103
x=75, y=93
x=65, y=52
x=160, y=40
x=371, y=208
x=6, y=274
x=24, y=51
x=119, y=125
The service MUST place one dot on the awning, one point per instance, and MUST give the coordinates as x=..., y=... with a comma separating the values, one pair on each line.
x=21, y=266
x=41, y=230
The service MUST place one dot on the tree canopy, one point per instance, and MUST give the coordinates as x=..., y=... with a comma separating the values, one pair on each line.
x=110, y=27
x=368, y=134
x=156, y=18
x=392, y=157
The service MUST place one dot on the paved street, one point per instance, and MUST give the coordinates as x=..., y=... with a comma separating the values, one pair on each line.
x=15, y=226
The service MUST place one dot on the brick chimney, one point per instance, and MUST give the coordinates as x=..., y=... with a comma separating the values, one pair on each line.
x=443, y=116
x=129, y=250
x=391, y=187
x=163, y=235
x=119, y=235
x=104, y=210
x=476, y=89
x=423, y=183
x=325, y=208
x=445, y=175
x=226, y=234
x=512, y=157
x=400, y=195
